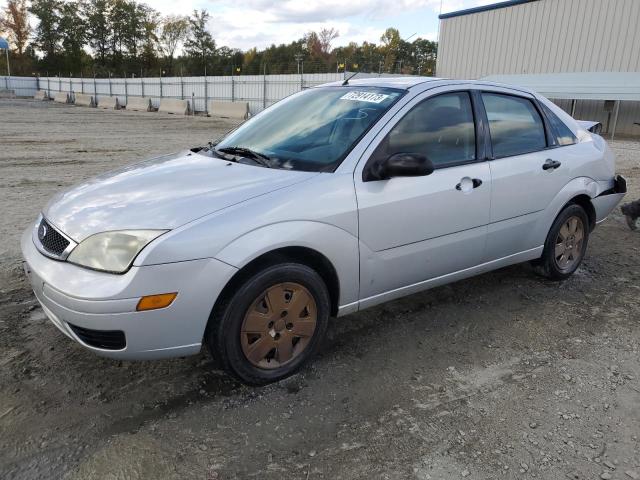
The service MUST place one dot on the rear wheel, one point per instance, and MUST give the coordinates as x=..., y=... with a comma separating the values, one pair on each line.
x=270, y=326
x=566, y=244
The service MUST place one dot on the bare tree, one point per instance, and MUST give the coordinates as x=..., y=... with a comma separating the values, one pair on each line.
x=325, y=37
x=15, y=22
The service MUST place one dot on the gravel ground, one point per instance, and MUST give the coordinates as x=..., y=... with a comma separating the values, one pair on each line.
x=505, y=375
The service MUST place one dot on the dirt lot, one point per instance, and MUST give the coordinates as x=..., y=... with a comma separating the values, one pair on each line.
x=502, y=376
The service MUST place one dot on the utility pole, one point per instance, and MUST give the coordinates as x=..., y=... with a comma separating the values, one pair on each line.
x=264, y=86
x=438, y=40
x=206, y=93
x=181, y=84
x=298, y=58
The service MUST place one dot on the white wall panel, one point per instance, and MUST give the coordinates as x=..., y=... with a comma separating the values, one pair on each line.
x=543, y=36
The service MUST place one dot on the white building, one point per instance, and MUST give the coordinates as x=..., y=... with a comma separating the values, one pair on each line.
x=530, y=37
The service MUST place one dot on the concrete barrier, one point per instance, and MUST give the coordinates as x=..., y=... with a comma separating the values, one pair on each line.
x=4, y=93
x=83, y=99
x=175, y=106
x=41, y=95
x=108, y=103
x=236, y=110
x=61, y=97
x=139, y=104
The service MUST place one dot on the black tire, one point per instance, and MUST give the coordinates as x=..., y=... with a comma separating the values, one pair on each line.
x=548, y=265
x=223, y=335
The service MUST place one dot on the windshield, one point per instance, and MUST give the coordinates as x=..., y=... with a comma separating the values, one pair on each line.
x=313, y=130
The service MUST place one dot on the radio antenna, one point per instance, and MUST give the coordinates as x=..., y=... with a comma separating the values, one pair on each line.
x=346, y=82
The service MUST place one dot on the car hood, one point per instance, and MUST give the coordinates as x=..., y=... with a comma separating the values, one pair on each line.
x=162, y=193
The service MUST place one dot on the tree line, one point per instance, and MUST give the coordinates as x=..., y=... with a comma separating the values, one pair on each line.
x=125, y=37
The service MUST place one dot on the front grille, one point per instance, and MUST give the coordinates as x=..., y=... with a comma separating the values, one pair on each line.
x=106, y=339
x=50, y=239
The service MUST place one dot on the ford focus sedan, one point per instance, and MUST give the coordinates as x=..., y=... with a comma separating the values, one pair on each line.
x=333, y=200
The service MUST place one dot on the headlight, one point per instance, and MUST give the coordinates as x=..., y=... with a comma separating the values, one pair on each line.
x=112, y=251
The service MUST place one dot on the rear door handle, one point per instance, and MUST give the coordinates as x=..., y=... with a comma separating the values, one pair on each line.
x=475, y=183
x=551, y=164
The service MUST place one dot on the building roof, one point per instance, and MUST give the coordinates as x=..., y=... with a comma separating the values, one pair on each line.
x=484, y=8
x=578, y=86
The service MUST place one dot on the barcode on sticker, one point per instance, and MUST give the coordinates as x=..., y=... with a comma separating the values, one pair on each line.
x=364, y=97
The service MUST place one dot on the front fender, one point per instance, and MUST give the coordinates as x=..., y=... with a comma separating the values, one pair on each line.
x=337, y=245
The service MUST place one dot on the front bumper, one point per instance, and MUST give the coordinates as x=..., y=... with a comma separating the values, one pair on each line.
x=99, y=303
x=604, y=203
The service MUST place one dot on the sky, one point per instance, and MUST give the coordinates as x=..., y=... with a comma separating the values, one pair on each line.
x=259, y=23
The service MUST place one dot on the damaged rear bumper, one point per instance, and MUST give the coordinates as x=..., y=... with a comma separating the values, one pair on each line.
x=609, y=199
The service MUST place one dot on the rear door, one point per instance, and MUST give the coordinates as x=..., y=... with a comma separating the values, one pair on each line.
x=413, y=229
x=527, y=171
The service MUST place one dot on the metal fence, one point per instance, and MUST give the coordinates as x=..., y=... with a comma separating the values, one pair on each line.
x=259, y=91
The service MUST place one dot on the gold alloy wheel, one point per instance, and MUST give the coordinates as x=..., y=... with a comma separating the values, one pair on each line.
x=278, y=325
x=568, y=249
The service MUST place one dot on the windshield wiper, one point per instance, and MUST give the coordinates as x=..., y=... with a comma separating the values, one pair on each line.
x=259, y=158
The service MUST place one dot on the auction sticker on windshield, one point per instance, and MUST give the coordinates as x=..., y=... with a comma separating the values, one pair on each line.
x=364, y=97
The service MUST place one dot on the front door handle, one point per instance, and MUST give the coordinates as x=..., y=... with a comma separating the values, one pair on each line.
x=551, y=164
x=467, y=182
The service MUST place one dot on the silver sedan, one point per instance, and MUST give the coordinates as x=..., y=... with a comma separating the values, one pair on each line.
x=333, y=200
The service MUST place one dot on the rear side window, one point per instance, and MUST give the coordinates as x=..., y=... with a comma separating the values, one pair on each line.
x=563, y=134
x=515, y=125
x=441, y=127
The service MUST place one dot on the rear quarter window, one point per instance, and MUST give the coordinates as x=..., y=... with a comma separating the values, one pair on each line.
x=563, y=134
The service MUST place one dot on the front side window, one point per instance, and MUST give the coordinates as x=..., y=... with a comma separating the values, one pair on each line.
x=441, y=128
x=515, y=125
x=312, y=130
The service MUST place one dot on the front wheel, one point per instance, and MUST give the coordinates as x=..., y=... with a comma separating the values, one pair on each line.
x=271, y=325
x=566, y=244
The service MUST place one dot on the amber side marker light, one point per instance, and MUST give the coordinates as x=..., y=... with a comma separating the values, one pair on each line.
x=153, y=302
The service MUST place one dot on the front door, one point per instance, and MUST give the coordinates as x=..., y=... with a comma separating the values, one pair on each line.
x=413, y=229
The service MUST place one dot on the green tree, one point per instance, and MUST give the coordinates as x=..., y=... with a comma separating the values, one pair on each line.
x=140, y=23
x=119, y=21
x=200, y=45
x=73, y=36
x=128, y=36
x=47, y=33
x=98, y=29
x=150, y=42
x=425, y=52
x=390, y=43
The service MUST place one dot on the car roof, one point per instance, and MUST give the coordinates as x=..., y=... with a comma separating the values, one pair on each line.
x=405, y=83
x=394, y=82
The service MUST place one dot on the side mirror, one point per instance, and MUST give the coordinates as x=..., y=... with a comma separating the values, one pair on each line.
x=399, y=165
